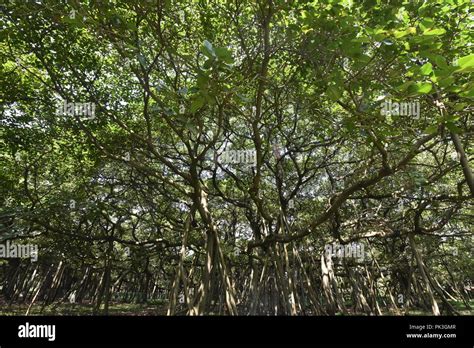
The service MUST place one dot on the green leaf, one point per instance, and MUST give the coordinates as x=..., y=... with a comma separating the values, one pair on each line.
x=333, y=93
x=142, y=60
x=453, y=128
x=468, y=93
x=431, y=129
x=445, y=72
x=451, y=118
x=466, y=61
x=446, y=82
x=401, y=33
x=202, y=81
x=426, y=24
x=362, y=39
x=403, y=87
x=197, y=103
x=423, y=87
x=466, y=64
x=439, y=60
x=350, y=125
x=460, y=106
x=207, y=49
x=434, y=32
x=224, y=54
x=208, y=64
x=426, y=69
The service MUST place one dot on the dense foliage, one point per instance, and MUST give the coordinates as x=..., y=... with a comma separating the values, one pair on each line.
x=344, y=123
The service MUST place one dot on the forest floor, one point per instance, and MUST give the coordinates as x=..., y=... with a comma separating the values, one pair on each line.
x=150, y=309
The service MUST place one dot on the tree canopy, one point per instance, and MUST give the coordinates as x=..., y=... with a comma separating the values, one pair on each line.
x=239, y=157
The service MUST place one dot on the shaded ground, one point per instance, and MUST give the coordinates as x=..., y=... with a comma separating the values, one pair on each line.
x=132, y=309
x=149, y=309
